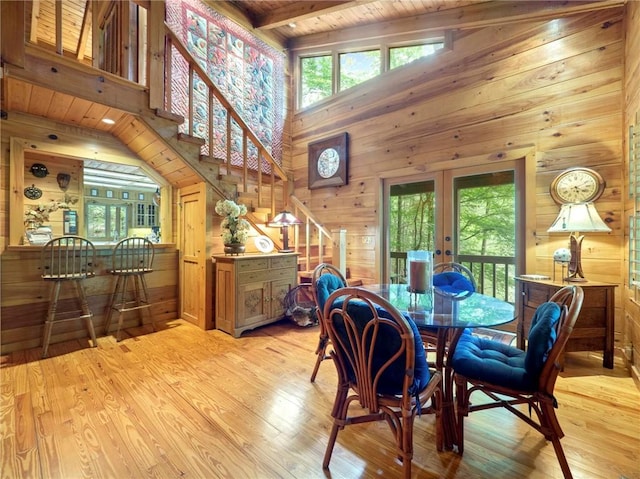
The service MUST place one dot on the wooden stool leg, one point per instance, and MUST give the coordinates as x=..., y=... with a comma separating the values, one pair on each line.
x=145, y=289
x=51, y=313
x=86, y=312
x=122, y=305
x=112, y=304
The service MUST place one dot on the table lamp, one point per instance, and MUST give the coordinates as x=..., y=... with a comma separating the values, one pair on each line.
x=283, y=220
x=576, y=218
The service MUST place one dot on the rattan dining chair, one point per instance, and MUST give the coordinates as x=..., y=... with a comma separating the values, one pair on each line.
x=68, y=259
x=325, y=279
x=382, y=366
x=131, y=260
x=509, y=376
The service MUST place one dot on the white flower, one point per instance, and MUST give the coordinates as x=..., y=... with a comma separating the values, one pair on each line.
x=234, y=228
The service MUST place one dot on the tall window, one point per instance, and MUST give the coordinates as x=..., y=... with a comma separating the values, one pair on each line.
x=634, y=221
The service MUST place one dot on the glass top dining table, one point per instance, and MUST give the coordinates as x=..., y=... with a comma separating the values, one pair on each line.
x=439, y=310
x=447, y=316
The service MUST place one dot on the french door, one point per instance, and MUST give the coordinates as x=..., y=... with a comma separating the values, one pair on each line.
x=470, y=215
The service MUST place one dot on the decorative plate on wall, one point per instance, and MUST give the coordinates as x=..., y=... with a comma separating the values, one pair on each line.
x=39, y=170
x=32, y=192
x=328, y=162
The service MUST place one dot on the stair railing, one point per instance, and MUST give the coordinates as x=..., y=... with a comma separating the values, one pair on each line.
x=312, y=226
x=176, y=50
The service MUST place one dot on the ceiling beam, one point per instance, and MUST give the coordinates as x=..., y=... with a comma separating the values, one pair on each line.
x=298, y=11
x=478, y=15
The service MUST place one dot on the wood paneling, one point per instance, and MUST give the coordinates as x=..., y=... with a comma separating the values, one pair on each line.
x=24, y=296
x=554, y=88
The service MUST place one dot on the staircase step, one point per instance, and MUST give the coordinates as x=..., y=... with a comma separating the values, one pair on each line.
x=167, y=115
x=195, y=140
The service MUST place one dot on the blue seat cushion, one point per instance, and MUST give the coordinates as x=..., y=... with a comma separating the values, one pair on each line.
x=388, y=342
x=542, y=336
x=452, y=282
x=325, y=285
x=492, y=361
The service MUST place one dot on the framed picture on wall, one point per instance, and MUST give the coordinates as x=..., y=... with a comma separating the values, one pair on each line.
x=328, y=162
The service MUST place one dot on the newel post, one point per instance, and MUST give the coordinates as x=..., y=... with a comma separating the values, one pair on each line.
x=339, y=242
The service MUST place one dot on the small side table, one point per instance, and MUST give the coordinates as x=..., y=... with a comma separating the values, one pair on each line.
x=594, y=329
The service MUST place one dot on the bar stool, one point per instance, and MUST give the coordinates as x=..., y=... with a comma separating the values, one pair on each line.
x=132, y=259
x=68, y=258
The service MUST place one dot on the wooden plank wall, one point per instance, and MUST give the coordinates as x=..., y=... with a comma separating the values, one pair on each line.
x=554, y=86
x=631, y=116
x=25, y=297
x=23, y=294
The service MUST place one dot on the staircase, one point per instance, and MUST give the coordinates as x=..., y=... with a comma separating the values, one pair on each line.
x=246, y=172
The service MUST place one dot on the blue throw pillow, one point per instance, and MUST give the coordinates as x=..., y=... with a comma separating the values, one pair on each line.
x=325, y=285
x=452, y=282
x=392, y=379
x=542, y=336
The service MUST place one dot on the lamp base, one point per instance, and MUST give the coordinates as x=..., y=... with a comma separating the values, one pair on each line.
x=575, y=280
x=575, y=264
x=285, y=251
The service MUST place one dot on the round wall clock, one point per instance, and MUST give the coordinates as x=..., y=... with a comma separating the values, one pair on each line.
x=328, y=159
x=577, y=185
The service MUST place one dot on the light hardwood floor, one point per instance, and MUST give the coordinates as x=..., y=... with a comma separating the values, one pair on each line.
x=187, y=403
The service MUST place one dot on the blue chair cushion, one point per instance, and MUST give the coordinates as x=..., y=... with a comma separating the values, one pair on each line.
x=325, y=285
x=452, y=282
x=542, y=336
x=391, y=380
x=492, y=361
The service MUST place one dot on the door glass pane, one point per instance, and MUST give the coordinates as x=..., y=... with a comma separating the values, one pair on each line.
x=411, y=224
x=485, y=230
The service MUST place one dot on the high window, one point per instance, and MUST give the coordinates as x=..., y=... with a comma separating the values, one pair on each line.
x=325, y=73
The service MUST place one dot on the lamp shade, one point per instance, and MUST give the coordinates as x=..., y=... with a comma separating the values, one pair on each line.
x=582, y=217
x=284, y=218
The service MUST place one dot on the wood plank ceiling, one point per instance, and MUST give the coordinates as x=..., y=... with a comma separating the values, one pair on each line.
x=292, y=22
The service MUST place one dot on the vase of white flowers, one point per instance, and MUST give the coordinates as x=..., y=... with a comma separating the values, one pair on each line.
x=235, y=230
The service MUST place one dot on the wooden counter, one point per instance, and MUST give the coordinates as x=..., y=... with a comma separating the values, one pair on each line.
x=24, y=295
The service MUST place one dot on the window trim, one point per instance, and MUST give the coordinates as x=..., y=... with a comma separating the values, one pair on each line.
x=382, y=44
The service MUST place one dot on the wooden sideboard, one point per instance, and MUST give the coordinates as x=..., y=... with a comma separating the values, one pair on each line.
x=594, y=329
x=250, y=289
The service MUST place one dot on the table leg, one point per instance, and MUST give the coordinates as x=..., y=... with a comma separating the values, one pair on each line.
x=448, y=410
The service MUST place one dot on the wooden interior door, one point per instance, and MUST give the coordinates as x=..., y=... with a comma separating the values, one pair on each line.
x=195, y=267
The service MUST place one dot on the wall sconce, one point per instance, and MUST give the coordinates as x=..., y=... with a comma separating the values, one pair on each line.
x=575, y=218
x=283, y=220
x=63, y=180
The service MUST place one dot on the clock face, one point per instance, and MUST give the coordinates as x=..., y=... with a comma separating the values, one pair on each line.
x=328, y=162
x=577, y=185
